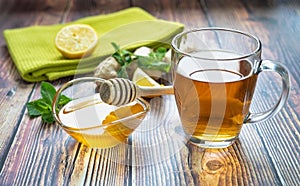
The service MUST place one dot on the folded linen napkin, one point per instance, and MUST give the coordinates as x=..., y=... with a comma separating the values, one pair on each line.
x=33, y=48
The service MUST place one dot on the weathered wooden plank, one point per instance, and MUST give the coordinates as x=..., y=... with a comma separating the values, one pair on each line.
x=91, y=7
x=99, y=167
x=189, y=13
x=159, y=153
x=14, y=91
x=35, y=156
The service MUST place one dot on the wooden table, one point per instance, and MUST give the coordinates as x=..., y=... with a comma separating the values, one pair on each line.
x=266, y=153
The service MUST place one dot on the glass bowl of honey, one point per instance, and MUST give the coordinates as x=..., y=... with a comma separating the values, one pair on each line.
x=79, y=110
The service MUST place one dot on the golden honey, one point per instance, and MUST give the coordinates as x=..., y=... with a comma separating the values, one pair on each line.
x=97, y=124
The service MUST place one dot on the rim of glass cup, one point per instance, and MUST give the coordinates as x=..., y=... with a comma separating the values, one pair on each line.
x=254, y=52
x=68, y=84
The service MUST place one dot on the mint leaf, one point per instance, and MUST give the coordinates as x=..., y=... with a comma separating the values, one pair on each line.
x=124, y=58
x=153, y=64
x=122, y=73
x=43, y=106
x=48, y=92
x=116, y=47
x=158, y=54
x=154, y=60
x=62, y=100
x=33, y=109
x=48, y=117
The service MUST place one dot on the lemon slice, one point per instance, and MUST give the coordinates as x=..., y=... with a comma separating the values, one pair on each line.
x=76, y=41
x=142, y=79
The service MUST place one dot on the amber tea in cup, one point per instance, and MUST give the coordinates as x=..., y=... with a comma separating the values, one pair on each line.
x=91, y=121
x=214, y=74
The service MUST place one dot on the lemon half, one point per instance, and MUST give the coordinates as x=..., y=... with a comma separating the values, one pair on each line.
x=141, y=78
x=76, y=41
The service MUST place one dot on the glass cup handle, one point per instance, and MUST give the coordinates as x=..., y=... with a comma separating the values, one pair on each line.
x=267, y=65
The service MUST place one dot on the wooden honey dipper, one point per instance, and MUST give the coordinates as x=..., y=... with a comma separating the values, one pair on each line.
x=120, y=91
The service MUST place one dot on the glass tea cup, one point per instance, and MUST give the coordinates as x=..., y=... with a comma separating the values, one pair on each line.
x=214, y=76
x=92, y=122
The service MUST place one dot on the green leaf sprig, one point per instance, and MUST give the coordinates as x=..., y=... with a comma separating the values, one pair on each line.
x=153, y=61
x=43, y=106
x=124, y=58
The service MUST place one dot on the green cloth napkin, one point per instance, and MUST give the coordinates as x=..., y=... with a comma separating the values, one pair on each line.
x=33, y=49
